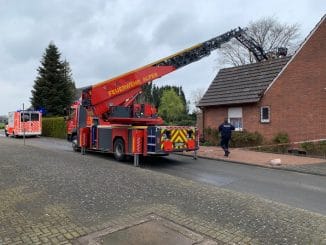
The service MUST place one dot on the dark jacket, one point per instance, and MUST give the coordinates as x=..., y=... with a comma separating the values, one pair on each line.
x=226, y=129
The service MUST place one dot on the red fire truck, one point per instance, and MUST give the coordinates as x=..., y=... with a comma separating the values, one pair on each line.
x=21, y=123
x=106, y=119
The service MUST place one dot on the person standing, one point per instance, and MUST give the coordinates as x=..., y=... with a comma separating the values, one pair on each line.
x=225, y=129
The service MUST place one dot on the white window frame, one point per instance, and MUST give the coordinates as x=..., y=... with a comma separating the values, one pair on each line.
x=236, y=113
x=265, y=120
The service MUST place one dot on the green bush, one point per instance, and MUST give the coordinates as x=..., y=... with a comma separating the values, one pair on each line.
x=238, y=139
x=207, y=143
x=211, y=136
x=308, y=146
x=54, y=127
x=315, y=149
x=2, y=125
x=281, y=138
x=246, y=139
x=183, y=122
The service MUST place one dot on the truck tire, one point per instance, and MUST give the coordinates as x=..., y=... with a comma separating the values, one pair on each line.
x=119, y=149
x=74, y=143
x=6, y=133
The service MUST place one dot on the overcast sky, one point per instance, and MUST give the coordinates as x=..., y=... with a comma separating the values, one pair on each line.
x=104, y=38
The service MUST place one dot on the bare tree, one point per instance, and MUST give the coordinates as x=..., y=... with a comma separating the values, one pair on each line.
x=196, y=96
x=269, y=33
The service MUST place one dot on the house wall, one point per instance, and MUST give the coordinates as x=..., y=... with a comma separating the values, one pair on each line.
x=297, y=98
x=214, y=116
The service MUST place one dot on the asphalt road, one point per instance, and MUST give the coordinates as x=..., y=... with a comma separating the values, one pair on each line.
x=295, y=189
x=49, y=194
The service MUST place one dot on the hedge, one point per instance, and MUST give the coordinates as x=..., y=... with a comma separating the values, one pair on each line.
x=211, y=136
x=315, y=148
x=246, y=139
x=54, y=127
x=238, y=139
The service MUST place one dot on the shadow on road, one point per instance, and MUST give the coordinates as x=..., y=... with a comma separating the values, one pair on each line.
x=167, y=162
x=148, y=162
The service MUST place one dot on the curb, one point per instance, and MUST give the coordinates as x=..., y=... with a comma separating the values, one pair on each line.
x=257, y=165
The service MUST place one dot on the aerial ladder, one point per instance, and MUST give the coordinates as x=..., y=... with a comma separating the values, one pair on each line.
x=253, y=46
x=107, y=119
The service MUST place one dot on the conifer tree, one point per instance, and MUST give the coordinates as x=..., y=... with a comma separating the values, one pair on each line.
x=53, y=88
x=67, y=73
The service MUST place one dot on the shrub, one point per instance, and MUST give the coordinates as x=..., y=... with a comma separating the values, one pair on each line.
x=316, y=149
x=2, y=125
x=207, y=143
x=281, y=138
x=308, y=146
x=211, y=136
x=246, y=139
x=239, y=139
x=184, y=122
x=54, y=127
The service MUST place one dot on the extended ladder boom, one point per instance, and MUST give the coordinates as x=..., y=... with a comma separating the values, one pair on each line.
x=199, y=51
x=252, y=46
x=120, y=90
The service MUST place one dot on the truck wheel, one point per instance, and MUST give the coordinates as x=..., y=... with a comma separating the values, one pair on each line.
x=119, y=149
x=74, y=143
x=6, y=133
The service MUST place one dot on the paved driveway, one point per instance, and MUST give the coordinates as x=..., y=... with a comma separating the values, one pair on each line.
x=54, y=196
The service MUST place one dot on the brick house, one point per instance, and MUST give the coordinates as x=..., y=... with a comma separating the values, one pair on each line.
x=285, y=94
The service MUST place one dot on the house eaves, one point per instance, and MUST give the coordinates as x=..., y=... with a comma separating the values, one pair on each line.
x=242, y=84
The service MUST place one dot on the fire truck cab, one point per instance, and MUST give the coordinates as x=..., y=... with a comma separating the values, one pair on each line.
x=21, y=123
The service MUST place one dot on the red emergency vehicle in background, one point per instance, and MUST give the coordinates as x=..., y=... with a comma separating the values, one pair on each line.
x=28, y=123
x=106, y=119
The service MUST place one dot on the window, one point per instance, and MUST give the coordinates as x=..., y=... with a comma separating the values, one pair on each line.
x=235, y=117
x=25, y=117
x=236, y=122
x=265, y=114
x=34, y=117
